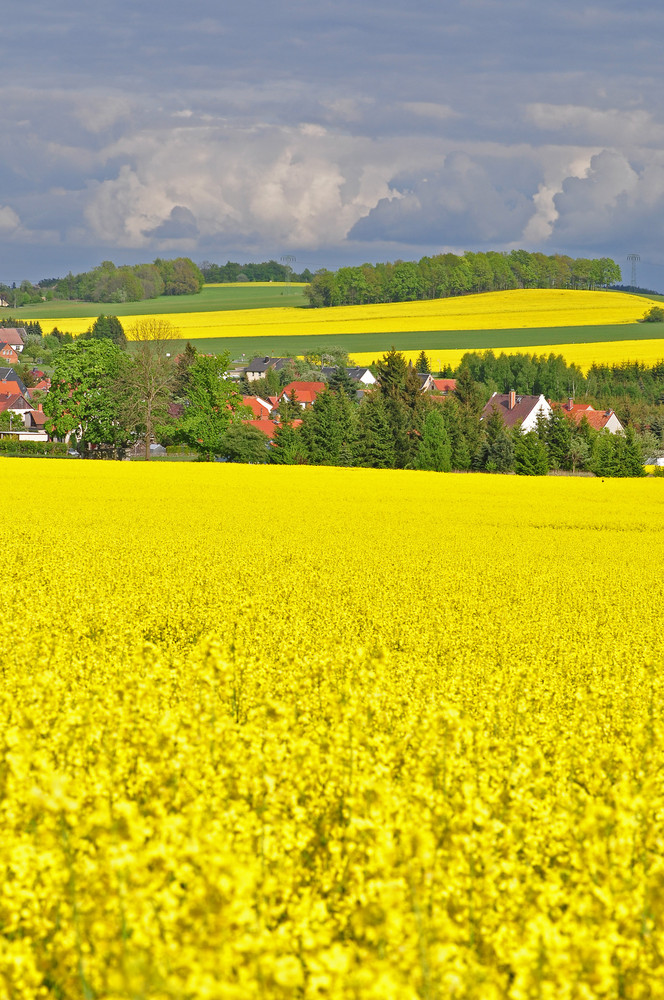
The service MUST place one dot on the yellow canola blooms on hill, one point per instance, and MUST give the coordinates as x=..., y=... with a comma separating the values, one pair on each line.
x=584, y=355
x=515, y=309
x=322, y=733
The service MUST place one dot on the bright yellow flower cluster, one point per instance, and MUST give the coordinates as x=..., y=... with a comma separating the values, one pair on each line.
x=318, y=733
x=515, y=309
x=584, y=355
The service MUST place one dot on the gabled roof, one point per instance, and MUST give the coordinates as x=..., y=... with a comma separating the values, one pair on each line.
x=444, y=384
x=259, y=407
x=596, y=418
x=12, y=335
x=577, y=412
x=9, y=376
x=305, y=392
x=262, y=364
x=13, y=401
x=11, y=388
x=43, y=385
x=37, y=417
x=522, y=407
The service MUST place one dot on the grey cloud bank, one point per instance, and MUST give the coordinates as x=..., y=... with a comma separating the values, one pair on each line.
x=334, y=132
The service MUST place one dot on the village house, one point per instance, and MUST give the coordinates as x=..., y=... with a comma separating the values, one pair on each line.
x=444, y=385
x=10, y=382
x=14, y=337
x=258, y=367
x=260, y=408
x=305, y=392
x=7, y=353
x=601, y=420
x=515, y=409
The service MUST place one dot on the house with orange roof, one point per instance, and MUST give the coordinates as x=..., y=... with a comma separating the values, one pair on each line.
x=601, y=420
x=11, y=382
x=305, y=392
x=259, y=407
x=444, y=385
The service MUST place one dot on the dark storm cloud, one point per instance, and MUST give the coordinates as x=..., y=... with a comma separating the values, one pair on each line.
x=328, y=128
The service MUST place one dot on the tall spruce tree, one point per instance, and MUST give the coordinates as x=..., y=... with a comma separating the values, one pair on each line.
x=435, y=450
x=340, y=381
x=530, y=455
x=422, y=364
x=321, y=430
x=375, y=442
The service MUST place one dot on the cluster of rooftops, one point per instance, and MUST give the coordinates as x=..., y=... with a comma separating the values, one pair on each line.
x=512, y=407
x=15, y=397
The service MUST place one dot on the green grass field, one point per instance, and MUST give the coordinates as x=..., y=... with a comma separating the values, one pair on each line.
x=480, y=340
x=211, y=299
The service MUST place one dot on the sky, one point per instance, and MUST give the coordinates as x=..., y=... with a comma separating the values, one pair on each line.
x=334, y=132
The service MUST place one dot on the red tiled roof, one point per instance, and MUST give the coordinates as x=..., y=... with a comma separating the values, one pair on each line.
x=596, y=418
x=9, y=388
x=13, y=401
x=259, y=409
x=445, y=384
x=268, y=427
x=38, y=417
x=43, y=385
x=305, y=392
x=578, y=411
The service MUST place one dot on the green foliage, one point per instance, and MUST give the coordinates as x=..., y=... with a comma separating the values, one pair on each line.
x=497, y=450
x=617, y=455
x=29, y=449
x=329, y=430
x=83, y=398
x=180, y=276
x=267, y=271
x=340, y=381
x=435, y=450
x=288, y=447
x=422, y=364
x=530, y=455
x=558, y=438
x=107, y=328
x=375, y=442
x=447, y=274
x=211, y=406
x=654, y=315
x=108, y=283
x=245, y=443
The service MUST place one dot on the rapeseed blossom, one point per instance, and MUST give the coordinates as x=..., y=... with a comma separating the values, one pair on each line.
x=309, y=732
x=514, y=309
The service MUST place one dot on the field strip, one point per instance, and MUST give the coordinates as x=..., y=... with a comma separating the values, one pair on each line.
x=512, y=310
x=583, y=355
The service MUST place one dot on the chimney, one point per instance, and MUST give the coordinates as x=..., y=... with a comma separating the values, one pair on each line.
x=570, y=403
x=40, y=407
x=512, y=400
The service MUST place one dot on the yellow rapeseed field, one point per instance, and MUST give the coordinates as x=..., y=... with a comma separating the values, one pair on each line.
x=320, y=733
x=515, y=309
x=584, y=355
